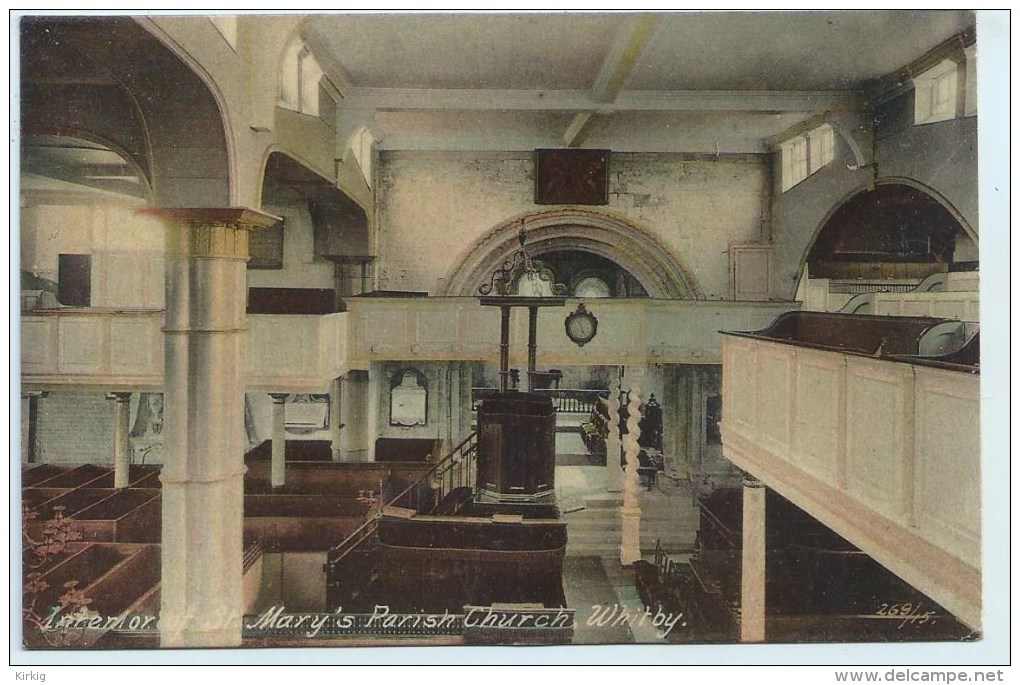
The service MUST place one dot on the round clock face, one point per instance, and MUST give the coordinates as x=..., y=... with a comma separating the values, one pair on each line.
x=591, y=286
x=581, y=325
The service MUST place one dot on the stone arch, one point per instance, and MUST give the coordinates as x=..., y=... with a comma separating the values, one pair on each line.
x=170, y=107
x=634, y=248
x=90, y=136
x=889, y=180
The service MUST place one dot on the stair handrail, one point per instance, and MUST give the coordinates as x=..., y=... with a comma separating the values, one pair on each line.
x=465, y=448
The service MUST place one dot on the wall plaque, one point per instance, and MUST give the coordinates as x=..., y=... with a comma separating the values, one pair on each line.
x=409, y=398
x=571, y=177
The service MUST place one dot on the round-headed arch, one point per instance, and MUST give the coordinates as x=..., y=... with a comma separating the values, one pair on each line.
x=634, y=248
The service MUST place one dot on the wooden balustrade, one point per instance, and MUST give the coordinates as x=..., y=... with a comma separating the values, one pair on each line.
x=886, y=452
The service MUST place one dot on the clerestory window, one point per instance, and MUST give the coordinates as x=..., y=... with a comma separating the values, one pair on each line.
x=805, y=154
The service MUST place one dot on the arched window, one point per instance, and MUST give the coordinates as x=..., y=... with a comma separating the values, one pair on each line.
x=300, y=75
x=361, y=147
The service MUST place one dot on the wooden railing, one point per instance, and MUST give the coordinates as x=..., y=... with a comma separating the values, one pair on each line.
x=455, y=470
x=251, y=554
x=574, y=401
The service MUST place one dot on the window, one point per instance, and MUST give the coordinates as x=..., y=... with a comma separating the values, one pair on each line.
x=822, y=148
x=805, y=154
x=300, y=75
x=935, y=93
x=361, y=146
x=970, y=82
x=794, y=162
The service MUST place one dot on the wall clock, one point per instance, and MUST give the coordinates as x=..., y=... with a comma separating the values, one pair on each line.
x=581, y=325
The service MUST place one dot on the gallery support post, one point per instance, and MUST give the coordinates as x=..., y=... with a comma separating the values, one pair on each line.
x=203, y=472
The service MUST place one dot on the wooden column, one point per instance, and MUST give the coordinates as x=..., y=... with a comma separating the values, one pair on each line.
x=630, y=512
x=504, y=348
x=752, y=564
x=696, y=436
x=335, y=422
x=614, y=474
x=532, y=345
x=278, y=465
x=202, y=475
x=684, y=418
x=121, y=443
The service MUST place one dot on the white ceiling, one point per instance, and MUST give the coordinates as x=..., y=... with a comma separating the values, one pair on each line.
x=677, y=81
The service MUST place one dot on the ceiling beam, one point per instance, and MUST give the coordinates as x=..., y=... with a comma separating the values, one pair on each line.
x=398, y=99
x=579, y=129
x=627, y=48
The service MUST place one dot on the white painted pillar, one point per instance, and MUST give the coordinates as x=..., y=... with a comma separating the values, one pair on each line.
x=752, y=564
x=614, y=474
x=203, y=471
x=278, y=465
x=30, y=424
x=121, y=443
x=696, y=440
x=372, y=411
x=456, y=434
x=335, y=422
x=684, y=420
x=630, y=512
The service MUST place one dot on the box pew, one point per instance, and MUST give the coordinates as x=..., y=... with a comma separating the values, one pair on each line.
x=33, y=498
x=72, y=502
x=76, y=477
x=32, y=476
x=335, y=479
x=131, y=515
x=301, y=523
x=139, y=476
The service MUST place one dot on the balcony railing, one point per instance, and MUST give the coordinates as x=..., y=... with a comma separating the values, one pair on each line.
x=564, y=400
x=886, y=452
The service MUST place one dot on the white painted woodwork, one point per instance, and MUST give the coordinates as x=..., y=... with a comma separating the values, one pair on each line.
x=887, y=454
x=957, y=299
x=117, y=348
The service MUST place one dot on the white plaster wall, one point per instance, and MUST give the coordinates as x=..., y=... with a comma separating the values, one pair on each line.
x=431, y=207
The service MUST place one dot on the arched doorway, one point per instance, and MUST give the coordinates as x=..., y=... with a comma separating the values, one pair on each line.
x=653, y=266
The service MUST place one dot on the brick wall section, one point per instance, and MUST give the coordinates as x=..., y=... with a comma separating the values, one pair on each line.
x=76, y=428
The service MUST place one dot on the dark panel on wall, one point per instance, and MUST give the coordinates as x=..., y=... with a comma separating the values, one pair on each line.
x=571, y=177
x=292, y=301
x=265, y=248
x=74, y=276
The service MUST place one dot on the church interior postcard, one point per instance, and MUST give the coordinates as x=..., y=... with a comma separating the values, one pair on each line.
x=403, y=329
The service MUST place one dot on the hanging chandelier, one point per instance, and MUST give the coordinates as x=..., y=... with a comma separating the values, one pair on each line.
x=530, y=277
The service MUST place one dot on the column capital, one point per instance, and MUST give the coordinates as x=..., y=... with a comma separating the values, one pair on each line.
x=211, y=231
x=34, y=394
x=279, y=397
x=750, y=481
x=119, y=396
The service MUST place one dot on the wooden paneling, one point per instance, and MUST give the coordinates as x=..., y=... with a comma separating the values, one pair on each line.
x=887, y=453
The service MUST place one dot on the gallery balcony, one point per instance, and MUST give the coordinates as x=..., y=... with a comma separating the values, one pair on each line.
x=110, y=348
x=872, y=426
